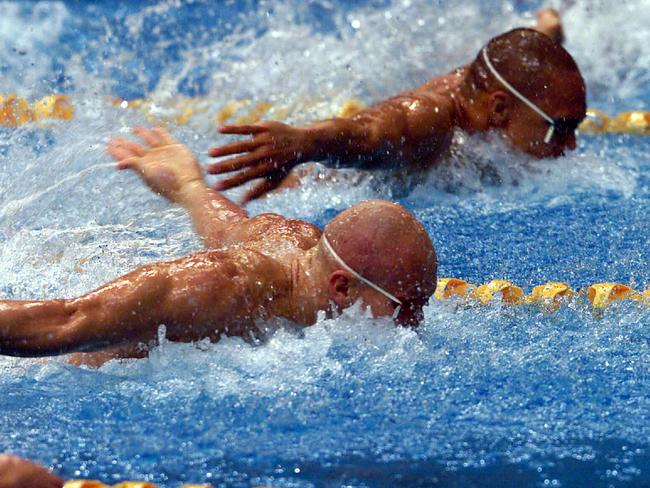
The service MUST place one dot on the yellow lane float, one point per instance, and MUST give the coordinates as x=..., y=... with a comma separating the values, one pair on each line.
x=602, y=294
x=449, y=287
x=548, y=295
x=509, y=293
x=552, y=291
x=15, y=111
x=635, y=122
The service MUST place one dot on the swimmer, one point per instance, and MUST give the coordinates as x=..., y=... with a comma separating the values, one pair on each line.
x=375, y=253
x=16, y=472
x=521, y=83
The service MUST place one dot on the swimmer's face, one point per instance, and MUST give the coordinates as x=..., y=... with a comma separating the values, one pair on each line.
x=410, y=311
x=526, y=129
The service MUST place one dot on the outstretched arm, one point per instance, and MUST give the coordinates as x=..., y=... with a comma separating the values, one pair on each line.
x=171, y=170
x=197, y=296
x=407, y=129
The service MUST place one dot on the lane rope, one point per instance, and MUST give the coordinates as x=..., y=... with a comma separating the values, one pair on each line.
x=548, y=295
x=16, y=111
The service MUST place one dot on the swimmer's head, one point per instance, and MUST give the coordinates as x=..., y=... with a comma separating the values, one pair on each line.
x=540, y=70
x=386, y=245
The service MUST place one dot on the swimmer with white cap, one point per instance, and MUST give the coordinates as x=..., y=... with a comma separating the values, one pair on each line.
x=522, y=84
x=256, y=268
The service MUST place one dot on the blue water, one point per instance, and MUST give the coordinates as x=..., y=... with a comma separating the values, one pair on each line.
x=489, y=396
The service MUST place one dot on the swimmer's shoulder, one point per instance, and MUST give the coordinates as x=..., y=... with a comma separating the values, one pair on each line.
x=444, y=84
x=272, y=227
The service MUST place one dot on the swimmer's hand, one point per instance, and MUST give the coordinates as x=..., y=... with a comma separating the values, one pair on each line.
x=272, y=151
x=167, y=167
x=20, y=473
x=549, y=22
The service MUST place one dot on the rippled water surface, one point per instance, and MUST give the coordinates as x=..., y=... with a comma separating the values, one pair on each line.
x=491, y=396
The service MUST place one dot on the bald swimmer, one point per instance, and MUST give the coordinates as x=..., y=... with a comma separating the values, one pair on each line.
x=522, y=84
x=255, y=269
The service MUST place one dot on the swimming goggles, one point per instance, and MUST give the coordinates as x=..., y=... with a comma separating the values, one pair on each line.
x=513, y=90
x=366, y=281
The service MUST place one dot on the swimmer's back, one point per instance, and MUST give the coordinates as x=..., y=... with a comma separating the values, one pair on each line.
x=277, y=237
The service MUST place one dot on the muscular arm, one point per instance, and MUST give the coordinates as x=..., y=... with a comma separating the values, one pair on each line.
x=411, y=128
x=214, y=217
x=406, y=129
x=199, y=296
x=171, y=170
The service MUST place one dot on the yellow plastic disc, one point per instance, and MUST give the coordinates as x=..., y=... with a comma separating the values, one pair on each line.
x=448, y=287
x=509, y=293
x=550, y=293
x=85, y=484
x=602, y=294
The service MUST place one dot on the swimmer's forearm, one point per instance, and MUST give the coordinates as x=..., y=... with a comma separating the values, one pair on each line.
x=339, y=143
x=48, y=328
x=30, y=328
x=403, y=129
x=194, y=297
x=212, y=214
x=124, y=310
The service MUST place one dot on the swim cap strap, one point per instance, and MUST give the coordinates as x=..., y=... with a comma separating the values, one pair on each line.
x=345, y=266
x=515, y=92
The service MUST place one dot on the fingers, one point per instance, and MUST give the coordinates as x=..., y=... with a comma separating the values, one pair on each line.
x=263, y=187
x=119, y=153
x=127, y=152
x=240, y=162
x=242, y=129
x=163, y=136
x=133, y=148
x=123, y=157
x=128, y=163
x=234, y=148
x=245, y=176
x=151, y=137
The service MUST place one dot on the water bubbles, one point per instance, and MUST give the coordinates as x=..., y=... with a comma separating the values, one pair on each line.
x=471, y=392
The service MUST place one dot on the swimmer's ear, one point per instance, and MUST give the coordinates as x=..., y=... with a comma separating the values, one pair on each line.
x=339, y=288
x=500, y=106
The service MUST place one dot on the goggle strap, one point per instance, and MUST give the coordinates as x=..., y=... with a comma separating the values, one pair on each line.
x=516, y=93
x=345, y=266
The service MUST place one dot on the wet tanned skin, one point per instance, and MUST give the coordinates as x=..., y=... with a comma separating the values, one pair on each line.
x=409, y=131
x=20, y=473
x=254, y=269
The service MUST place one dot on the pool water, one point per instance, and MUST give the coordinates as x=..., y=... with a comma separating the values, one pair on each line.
x=478, y=396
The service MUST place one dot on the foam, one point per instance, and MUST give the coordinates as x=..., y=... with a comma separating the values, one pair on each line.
x=474, y=395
